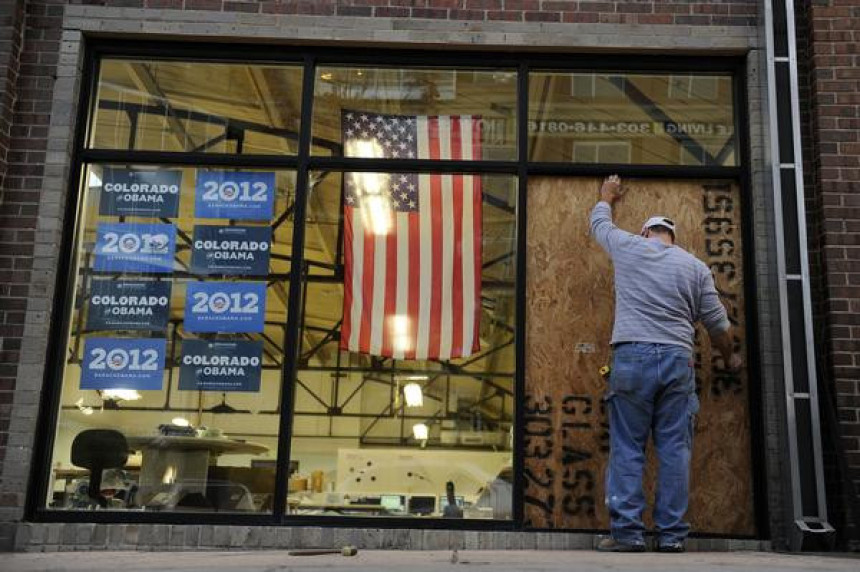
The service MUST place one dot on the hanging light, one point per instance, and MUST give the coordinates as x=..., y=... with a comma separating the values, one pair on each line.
x=121, y=394
x=420, y=431
x=413, y=394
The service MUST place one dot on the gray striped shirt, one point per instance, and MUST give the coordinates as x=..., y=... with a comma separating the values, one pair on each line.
x=661, y=291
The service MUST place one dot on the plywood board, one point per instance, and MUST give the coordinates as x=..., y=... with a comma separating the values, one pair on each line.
x=570, y=301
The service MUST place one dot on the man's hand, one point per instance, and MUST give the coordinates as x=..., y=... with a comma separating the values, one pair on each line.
x=610, y=191
x=735, y=362
x=723, y=341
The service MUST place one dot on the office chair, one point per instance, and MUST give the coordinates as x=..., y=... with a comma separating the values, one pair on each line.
x=97, y=450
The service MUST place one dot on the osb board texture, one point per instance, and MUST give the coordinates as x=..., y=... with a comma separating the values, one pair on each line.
x=570, y=304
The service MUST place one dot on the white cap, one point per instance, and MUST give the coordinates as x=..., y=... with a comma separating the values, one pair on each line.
x=659, y=221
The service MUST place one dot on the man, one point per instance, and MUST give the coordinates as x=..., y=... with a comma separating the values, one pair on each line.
x=661, y=290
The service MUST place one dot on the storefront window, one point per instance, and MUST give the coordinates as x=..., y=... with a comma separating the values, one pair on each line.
x=405, y=386
x=622, y=118
x=172, y=373
x=476, y=110
x=195, y=106
x=397, y=381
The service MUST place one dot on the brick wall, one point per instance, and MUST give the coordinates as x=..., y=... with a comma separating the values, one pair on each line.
x=39, y=28
x=684, y=12
x=830, y=75
x=13, y=257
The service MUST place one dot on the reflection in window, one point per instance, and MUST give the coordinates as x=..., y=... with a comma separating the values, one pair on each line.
x=486, y=100
x=654, y=115
x=203, y=107
x=379, y=430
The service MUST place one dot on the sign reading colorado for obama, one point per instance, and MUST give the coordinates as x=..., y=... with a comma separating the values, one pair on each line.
x=128, y=305
x=111, y=363
x=231, y=250
x=233, y=307
x=234, y=195
x=220, y=366
x=140, y=193
x=131, y=247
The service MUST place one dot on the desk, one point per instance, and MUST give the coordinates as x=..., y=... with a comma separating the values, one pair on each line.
x=343, y=508
x=167, y=459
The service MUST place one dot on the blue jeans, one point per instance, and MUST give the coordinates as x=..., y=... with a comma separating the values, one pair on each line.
x=652, y=389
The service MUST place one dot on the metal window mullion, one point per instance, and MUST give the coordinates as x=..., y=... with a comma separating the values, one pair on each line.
x=292, y=341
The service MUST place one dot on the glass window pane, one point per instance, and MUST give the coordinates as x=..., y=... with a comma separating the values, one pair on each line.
x=197, y=106
x=171, y=385
x=415, y=113
x=381, y=430
x=631, y=118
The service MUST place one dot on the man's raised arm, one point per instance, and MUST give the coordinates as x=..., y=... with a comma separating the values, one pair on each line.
x=603, y=229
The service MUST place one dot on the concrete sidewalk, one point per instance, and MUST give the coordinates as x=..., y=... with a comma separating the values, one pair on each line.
x=429, y=561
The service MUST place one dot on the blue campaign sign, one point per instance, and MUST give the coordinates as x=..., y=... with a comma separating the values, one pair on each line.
x=130, y=192
x=110, y=363
x=220, y=366
x=231, y=250
x=234, y=195
x=132, y=247
x=233, y=307
x=128, y=305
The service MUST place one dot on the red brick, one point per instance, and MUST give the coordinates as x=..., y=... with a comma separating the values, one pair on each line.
x=587, y=17
x=543, y=16
x=203, y=5
x=505, y=15
x=391, y=12
x=433, y=13
x=484, y=4
x=466, y=15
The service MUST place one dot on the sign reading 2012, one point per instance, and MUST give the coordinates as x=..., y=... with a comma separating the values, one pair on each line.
x=111, y=363
x=234, y=307
x=132, y=247
x=234, y=195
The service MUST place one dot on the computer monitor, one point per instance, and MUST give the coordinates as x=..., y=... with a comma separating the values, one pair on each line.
x=422, y=505
x=391, y=502
x=443, y=501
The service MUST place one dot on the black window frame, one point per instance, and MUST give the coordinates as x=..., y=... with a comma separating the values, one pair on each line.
x=309, y=57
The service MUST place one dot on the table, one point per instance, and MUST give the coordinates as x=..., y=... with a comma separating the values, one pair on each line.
x=168, y=459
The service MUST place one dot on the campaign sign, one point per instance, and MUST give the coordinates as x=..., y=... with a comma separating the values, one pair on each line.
x=111, y=363
x=131, y=247
x=220, y=366
x=234, y=307
x=140, y=193
x=235, y=195
x=128, y=305
x=233, y=250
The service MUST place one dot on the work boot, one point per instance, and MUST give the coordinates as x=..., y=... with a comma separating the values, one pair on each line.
x=609, y=544
x=674, y=547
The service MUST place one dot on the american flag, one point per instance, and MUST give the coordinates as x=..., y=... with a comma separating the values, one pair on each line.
x=412, y=242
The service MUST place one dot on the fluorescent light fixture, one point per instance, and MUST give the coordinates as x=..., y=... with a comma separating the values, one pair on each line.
x=85, y=409
x=420, y=431
x=398, y=328
x=180, y=422
x=364, y=149
x=413, y=394
x=121, y=394
x=376, y=212
x=169, y=476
